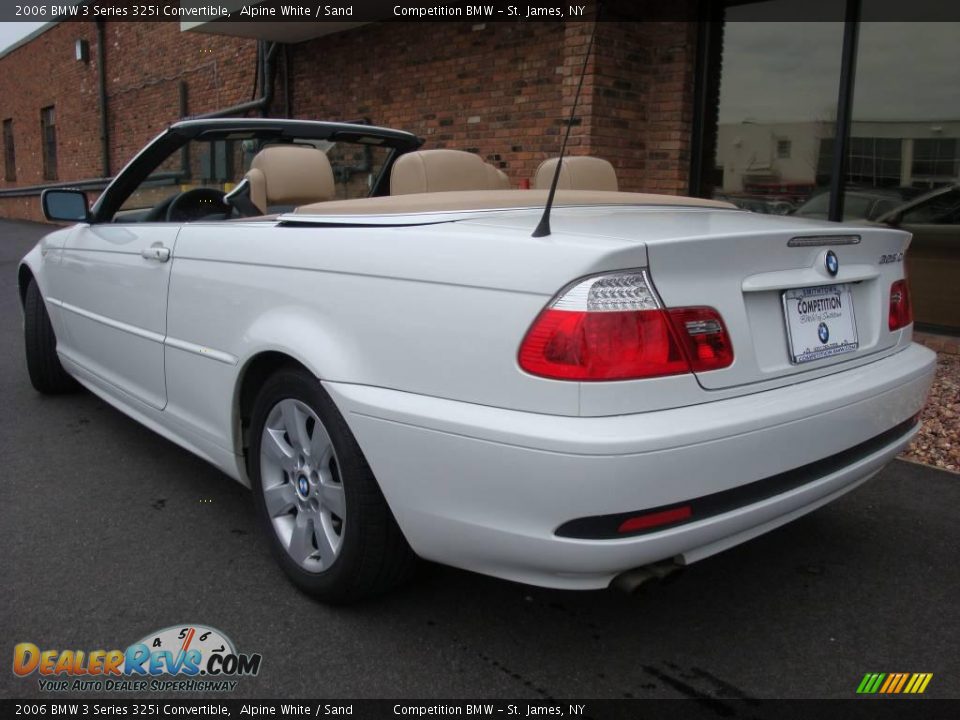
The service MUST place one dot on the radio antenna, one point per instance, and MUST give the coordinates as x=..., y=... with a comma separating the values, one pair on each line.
x=543, y=228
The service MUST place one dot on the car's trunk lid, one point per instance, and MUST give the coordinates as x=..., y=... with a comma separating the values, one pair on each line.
x=795, y=297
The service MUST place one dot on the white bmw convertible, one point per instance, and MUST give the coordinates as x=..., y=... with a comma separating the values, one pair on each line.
x=373, y=338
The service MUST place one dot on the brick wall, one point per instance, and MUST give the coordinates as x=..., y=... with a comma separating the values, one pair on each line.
x=490, y=88
x=642, y=112
x=505, y=90
x=44, y=73
x=502, y=90
x=145, y=63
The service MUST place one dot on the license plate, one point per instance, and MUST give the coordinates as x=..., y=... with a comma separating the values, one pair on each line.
x=820, y=322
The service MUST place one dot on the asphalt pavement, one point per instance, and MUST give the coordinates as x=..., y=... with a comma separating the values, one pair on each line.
x=110, y=532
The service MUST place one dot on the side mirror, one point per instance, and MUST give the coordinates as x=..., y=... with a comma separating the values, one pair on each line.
x=65, y=205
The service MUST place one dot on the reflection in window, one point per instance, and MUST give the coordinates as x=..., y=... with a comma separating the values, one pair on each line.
x=876, y=162
x=777, y=105
x=906, y=100
x=942, y=208
x=936, y=160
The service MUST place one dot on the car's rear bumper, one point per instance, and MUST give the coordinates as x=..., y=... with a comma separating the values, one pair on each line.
x=486, y=489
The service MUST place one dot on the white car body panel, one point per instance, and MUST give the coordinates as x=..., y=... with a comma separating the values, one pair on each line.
x=510, y=479
x=113, y=302
x=414, y=332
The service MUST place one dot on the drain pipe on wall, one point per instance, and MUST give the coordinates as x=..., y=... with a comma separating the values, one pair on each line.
x=102, y=83
x=265, y=68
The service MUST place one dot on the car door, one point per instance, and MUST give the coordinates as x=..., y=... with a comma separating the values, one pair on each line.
x=114, y=299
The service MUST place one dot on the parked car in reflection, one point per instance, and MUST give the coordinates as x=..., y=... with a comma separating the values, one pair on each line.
x=762, y=205
x=868, y=204
x=933, y=259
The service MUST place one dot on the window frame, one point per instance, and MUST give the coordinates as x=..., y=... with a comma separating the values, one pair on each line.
x=48, y=141
x=9, y=152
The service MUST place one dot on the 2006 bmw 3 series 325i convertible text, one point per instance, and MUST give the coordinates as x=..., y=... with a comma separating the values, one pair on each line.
x=369, y=336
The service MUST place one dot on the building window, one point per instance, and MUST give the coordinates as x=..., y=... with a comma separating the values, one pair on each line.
x=9, y=154
x=875, y=162
x=936, y=160
x=48, y=136
x=783, y=149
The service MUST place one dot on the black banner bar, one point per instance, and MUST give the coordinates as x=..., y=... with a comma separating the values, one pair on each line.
x=872, y=708
x=357, y=11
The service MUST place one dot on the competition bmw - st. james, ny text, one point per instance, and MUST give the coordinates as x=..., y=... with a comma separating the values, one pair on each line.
x=519, y=12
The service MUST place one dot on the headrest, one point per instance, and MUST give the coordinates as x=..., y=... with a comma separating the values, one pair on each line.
x=580, y=172
x=443, y=171
x=290, y=175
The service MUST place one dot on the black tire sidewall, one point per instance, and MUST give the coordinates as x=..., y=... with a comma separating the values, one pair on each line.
x=47, y=374
x=335, y=583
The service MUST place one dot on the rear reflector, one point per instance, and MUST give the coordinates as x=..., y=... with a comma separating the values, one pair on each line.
x=650, y=520
x=901, y=311
x=613, y=327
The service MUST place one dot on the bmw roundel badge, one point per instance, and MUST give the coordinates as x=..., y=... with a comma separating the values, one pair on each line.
x=823, y=332
x=832, y=263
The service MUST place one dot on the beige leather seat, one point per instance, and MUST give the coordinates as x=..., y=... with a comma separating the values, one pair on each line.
x=581, y=172
x=290, y=175
x=427, y=171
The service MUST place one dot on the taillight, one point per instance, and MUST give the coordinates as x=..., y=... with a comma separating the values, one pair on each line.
x=901, y=312
x=613, y=327
x=704, y=337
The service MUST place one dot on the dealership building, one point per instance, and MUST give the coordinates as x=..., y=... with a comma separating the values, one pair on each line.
x=740, y=101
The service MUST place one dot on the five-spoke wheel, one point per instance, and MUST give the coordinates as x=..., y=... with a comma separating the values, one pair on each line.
x=302, y=488
x=329, y=525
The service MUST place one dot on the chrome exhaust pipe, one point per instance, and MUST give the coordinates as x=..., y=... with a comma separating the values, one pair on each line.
x=631, y=581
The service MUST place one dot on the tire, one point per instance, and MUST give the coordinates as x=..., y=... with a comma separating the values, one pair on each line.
x=46, y=373
x=316, y=498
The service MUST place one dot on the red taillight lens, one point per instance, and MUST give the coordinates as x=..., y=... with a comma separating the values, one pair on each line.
x=901, y=312
x=704, y=337
x=612, y=327
x=580, y=345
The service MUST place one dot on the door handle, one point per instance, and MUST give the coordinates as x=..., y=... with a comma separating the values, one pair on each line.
x=156, y=252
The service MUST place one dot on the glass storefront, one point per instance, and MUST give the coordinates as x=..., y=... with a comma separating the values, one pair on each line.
x=777, y=105
x=778, y=98
x=789, y=96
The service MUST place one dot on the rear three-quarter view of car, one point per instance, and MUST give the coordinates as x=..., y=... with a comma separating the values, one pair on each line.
x=399, y=369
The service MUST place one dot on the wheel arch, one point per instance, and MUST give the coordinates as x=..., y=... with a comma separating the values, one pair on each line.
x=24, y=276
x=253, y=373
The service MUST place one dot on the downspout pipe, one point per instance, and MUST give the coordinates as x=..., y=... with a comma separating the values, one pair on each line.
x=102, y=88
x=261, y=103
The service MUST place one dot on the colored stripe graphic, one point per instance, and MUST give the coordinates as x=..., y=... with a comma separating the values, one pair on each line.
x=903, y=680
x=894, y=683
x=891, y=680
x=871, y=683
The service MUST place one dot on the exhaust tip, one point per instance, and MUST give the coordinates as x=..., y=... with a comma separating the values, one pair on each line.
x=632, y=581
